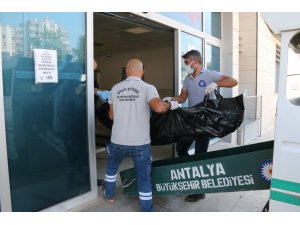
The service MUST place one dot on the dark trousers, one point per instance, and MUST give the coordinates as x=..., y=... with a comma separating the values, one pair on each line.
x=201, y=146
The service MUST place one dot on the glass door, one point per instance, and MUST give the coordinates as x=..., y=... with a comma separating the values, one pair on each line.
x=45, y=120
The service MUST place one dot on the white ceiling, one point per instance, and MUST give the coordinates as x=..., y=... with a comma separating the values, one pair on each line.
x=110, y=35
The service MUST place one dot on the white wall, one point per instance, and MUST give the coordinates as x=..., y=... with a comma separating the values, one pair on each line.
x=258, y=64
x=230, y=57
x=266, y=74
x=230, y=50
x=247, y=56
x=159, y=65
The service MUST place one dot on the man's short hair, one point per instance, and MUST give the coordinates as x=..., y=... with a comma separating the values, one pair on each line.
x=134, y=64
x=193, y=54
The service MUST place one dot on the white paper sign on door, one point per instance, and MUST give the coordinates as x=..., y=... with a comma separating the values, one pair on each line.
x=45, y=66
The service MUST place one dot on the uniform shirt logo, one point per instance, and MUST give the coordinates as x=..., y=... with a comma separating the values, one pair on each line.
x=202, y=83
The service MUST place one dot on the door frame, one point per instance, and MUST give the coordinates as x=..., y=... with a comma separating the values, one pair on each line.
x=5, y=195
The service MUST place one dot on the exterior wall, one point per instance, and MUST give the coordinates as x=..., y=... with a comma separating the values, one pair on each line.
x=236, y=49
x=230, y=56
x=230, y=53
x=258, y=65
x=266, y=74
x=248, y=53
x=248, y=76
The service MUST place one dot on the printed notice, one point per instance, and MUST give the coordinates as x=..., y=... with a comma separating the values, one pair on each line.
x=45, y=66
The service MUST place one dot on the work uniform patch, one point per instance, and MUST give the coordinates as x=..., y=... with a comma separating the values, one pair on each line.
x=202, y=83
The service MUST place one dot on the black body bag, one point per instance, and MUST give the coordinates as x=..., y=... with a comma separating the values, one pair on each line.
x=210, y=118
x=102, y=113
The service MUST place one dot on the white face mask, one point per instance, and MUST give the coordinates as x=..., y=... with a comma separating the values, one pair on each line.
x=189, y=69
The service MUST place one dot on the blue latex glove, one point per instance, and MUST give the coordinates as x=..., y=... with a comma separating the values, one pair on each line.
x=103, y=95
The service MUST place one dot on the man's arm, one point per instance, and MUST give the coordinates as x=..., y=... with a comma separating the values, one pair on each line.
x=226, y=81
x=111, y=112
x=159, y=106
x=180, y=98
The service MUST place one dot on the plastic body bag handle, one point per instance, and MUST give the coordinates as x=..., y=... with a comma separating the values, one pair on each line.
x=217, y=94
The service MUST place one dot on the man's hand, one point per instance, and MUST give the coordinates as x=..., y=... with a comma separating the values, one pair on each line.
x=167, y=99
x=174, y=105
x=210, y=88
x=103, y=95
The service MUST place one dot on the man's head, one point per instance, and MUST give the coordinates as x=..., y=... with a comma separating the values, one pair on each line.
x=193, y=55
x=134, y=67
x=193, y=59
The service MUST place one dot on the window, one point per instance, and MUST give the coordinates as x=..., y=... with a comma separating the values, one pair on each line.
x=188, y=42
x=193, y=19
x=213, y=24
x=212, y=57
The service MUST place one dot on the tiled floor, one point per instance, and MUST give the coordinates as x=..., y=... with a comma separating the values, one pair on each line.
x=247, y=201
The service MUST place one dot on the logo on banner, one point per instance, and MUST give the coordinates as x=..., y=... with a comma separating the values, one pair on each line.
x=265, y=170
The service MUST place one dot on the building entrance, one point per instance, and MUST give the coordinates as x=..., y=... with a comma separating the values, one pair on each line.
x=119, y=37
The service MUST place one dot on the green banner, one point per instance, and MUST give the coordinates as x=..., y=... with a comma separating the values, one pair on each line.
x=236, y=169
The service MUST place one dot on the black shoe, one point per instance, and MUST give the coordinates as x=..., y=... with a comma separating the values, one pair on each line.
x=194, y=197
x=100, y=182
